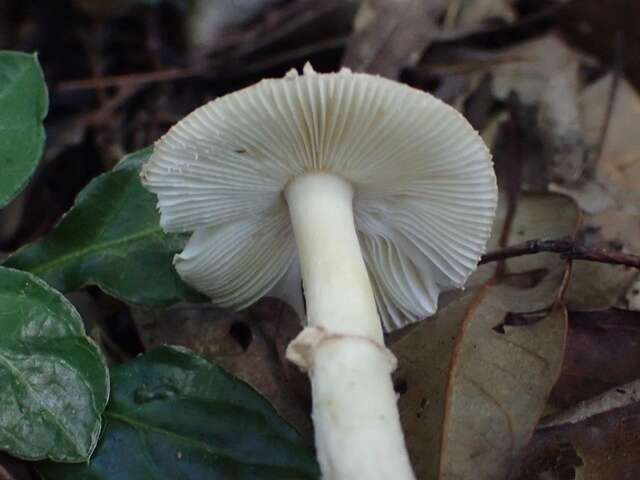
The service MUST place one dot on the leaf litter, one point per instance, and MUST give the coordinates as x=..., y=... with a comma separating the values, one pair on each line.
x=532, y=338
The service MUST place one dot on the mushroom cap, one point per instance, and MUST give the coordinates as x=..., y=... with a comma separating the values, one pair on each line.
x=425, y=189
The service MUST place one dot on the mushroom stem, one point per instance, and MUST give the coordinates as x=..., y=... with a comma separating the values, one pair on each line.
x=357, y=426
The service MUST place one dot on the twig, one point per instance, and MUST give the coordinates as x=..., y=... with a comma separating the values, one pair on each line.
x=567, y=248
x=130, y=79
x=301, y=15
x=213, y=69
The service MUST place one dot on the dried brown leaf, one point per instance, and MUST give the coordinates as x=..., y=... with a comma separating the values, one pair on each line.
x=609, y=131
x=618, y=397
x=472, y=13
x=603, y=447
x=596, y=286
x=391, y=34
x=14, y=469
x=632, y=296
x=421, y=379
x=498, y=387
x=545, y=75
x=603, y=351
x=499, y=377
x=484, y=347
x=601, y=28
x=530, y=66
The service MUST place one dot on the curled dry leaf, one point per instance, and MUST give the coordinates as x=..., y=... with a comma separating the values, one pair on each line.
x=475, y=377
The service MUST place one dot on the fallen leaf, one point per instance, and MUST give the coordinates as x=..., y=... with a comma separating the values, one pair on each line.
x=597, y=286
x=603, y=447
x=613, y=185
x=618, y=397
x=498, y=387
x=633, y=295
x=608, y=30
x=391, y=34
x=421, y=379
x=471, y=13
x=208, y=21
x=619, y=160
x=545, y=75
x=14, y=469
x=498, y=378
x=603, y=351
x=484, y=326
x=530, y=66
x=591, y=194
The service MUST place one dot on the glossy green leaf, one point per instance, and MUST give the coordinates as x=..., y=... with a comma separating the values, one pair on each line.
x=175, y=415
x=23, y=106
x=54, y=383
x=111, y=238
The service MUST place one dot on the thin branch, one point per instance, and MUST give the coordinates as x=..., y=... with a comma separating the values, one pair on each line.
x=213, y=69
x=130, y=79
x=567, y=248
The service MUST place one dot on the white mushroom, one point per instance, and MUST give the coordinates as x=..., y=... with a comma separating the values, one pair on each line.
x=377, y=195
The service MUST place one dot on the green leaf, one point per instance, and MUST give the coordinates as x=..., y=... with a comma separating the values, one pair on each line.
x=23, y=106
x=111, y=238
x=173, y=414
x=54, y=383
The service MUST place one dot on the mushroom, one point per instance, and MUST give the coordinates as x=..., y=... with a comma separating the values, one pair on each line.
x=376, y=196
